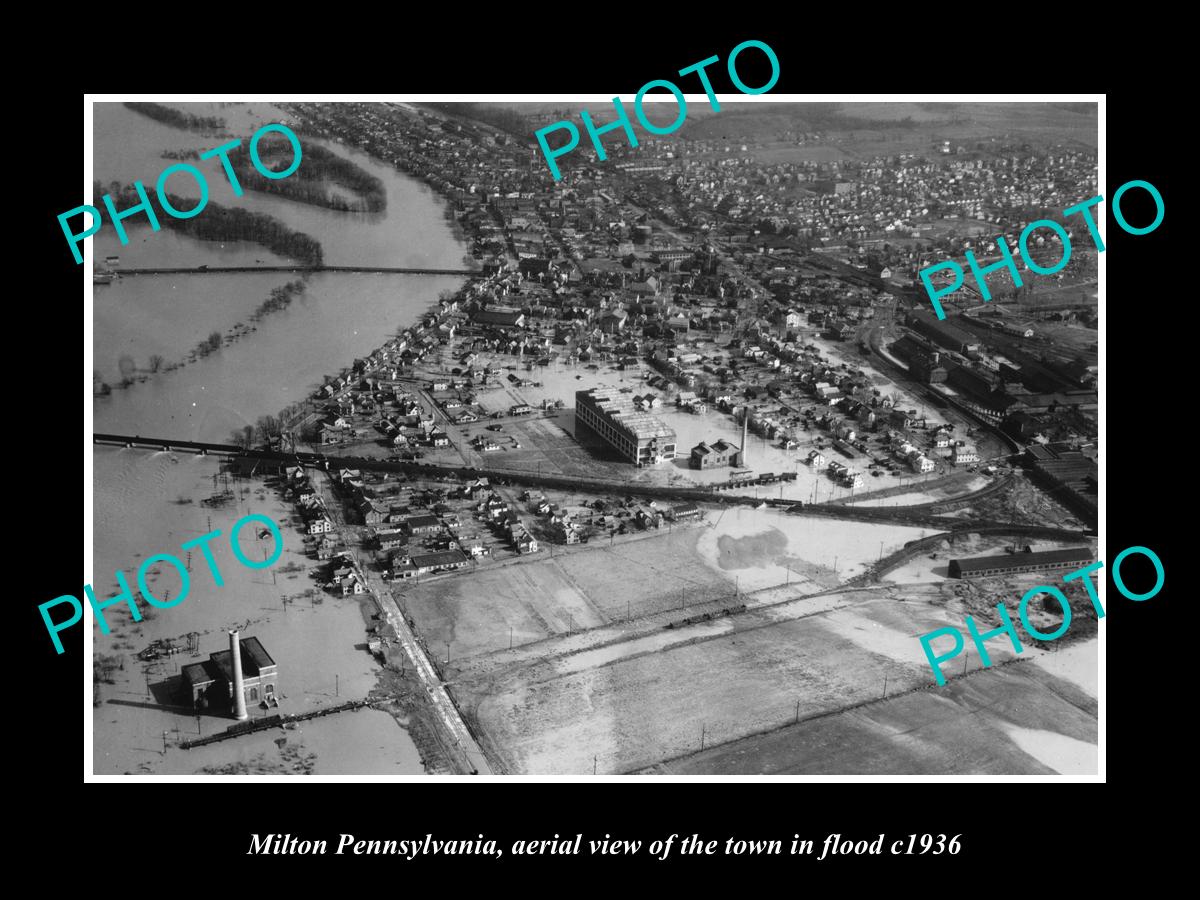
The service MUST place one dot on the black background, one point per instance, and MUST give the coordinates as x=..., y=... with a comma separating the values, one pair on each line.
x=1017, y=831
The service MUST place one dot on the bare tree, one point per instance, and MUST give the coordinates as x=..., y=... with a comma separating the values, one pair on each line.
x=156, y=363
x=268, y=427
x=244, y=437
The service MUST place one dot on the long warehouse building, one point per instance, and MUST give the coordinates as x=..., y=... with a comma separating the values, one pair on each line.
x=1029, y=561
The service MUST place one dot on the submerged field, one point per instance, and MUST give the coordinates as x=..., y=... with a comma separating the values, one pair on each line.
x=148, y=503
x=587, y=685
x=1016, y=720
x=736, y=550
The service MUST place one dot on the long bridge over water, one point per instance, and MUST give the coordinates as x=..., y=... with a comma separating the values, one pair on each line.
x=227, y=270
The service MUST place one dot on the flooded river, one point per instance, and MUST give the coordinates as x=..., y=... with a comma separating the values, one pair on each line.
x=146, y=503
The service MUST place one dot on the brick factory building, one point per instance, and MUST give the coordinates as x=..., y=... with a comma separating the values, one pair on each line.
x=640, y=438
x=229, y=681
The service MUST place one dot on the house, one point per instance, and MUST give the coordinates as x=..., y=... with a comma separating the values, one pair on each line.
x=390, y=540
x=920, y=462
x=370, y=515
x=684, y=512
x=320, y=526
x=473, y=545
x=648, y=517
x=565, y=532
x=961, y=455
x=326, y=547
x=816, y=459
x=841, y=331
x=613, y=321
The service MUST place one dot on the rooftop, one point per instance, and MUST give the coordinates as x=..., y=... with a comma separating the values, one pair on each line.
x=1012, y=560
x=254, y=659
x=444, y=558
x=620, y=409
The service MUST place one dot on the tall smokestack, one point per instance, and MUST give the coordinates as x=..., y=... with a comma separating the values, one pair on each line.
x=239, y=687
x=745, y=431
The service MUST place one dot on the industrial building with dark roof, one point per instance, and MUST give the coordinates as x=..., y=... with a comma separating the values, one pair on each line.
x=210, y=684
x=1015, y=563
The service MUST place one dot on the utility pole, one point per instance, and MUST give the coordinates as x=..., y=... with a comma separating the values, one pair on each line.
x=510, y=631
x=797, y=712
x=885, y=687
x=337, y=689
x=702, y=730
x=447, y=653
x=164, y=743
x=594, y=761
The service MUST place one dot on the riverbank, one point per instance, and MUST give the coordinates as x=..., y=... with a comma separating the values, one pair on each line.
x=151, y=502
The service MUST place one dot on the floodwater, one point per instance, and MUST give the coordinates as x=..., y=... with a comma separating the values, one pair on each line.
x=146, y=503
x=340, y=316
x=1066, y=755
x=319, y=646
x=766, y=547
x=1078, y=663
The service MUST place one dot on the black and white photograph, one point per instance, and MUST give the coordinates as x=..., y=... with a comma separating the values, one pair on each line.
x=563, y=438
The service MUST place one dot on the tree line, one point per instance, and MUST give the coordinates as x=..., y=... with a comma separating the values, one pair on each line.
x=279, y=298
x=177, y=118
x=224, y=223
x=320, y=167
x=310, y=183
x=501, y=117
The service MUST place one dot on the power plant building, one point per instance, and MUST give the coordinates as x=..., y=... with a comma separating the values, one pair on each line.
x=226, y=681
x=640, y=438
x=719, y=453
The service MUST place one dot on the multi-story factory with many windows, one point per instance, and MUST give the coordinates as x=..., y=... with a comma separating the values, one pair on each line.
x=639, y=437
